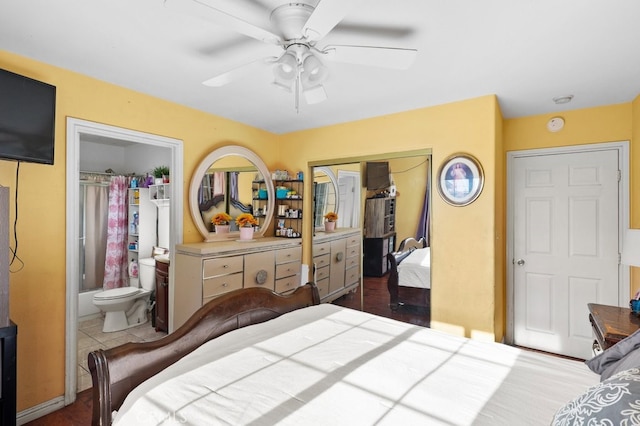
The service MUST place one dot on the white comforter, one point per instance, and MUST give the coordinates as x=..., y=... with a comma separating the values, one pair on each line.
x=327, y=365
x=415, y=269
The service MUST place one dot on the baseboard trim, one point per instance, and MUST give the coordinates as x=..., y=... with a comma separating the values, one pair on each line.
x=39, y=410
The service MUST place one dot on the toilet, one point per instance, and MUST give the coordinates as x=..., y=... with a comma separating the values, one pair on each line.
x=126, y=307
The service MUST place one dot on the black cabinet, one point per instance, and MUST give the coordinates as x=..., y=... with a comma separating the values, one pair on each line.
x=8, y=342
x=375, y=263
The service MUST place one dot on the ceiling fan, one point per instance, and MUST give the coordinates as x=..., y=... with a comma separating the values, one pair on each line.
x=297, y=59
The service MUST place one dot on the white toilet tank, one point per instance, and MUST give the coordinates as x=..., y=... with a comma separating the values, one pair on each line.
x=147, y=273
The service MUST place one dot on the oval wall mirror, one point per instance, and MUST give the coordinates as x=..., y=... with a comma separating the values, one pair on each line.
x=325, y=194
x=229, y=180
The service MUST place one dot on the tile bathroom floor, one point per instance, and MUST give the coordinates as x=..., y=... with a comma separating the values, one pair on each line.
x=91, y=337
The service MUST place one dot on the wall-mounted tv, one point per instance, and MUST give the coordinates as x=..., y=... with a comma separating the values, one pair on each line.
x=27, y=119
x=377, y=173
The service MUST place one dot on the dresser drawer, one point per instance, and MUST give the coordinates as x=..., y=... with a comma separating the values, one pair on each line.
x=352, y=262
x=322, y=261
x=322, y=273
x=287, y=284
x=288, y=255
x=216, y=286
x=352, y=275
x=323, y=287
x=259, y=270
x=321, y=249
x=353, y=251
x=354, y=240
x=287, y=269
x=222, y=266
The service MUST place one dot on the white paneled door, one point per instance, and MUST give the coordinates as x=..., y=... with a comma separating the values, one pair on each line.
x=565, y=247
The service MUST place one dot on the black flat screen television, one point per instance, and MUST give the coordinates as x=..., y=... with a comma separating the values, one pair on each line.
x=27, y=119
x=377, y=175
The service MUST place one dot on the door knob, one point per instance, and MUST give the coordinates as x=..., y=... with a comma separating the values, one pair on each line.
x=520, y=262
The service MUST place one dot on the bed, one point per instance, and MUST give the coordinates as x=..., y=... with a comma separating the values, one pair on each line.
x=255, y=357
x=409, y=281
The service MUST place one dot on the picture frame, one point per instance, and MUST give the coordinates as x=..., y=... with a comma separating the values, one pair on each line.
x=460, y=179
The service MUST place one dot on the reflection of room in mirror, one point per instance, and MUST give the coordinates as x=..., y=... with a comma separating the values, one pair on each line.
x=226, y=191
x=228, y=180
x=325, y=187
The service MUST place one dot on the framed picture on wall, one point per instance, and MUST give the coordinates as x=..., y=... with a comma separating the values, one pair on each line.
x=460, y=179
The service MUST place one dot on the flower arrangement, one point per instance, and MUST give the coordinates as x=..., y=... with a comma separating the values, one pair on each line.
x=221, y=219
x=246, y=220
x=331, y=216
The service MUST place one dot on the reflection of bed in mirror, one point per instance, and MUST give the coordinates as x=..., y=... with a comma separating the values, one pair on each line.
x=409, y=280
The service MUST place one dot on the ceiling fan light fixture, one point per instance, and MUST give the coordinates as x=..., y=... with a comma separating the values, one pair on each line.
x=286, y=67
x=315, y=95
x=313, y=73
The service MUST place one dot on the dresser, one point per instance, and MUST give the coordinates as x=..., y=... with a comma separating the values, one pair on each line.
x=204, y=271
x=337, y=259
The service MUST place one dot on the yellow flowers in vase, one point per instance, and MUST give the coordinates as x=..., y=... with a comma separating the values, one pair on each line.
x=330, y=224
x=331, y=216
x=220, y=222
x=246, y=222
x=221, y=219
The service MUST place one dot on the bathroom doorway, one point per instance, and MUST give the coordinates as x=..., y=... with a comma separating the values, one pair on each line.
x=87, y=142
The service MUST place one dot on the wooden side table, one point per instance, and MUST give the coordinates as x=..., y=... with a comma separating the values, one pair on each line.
x=611, y=324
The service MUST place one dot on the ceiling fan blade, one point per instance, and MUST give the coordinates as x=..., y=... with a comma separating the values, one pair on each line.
x=326, y=15
x=237, y=72
x=220, y=17
x=384, y=57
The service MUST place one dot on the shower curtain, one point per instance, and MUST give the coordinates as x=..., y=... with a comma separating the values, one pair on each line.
x=115, y=268
x=93, y=231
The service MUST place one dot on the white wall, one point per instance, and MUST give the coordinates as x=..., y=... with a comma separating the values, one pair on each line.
x=132, y=158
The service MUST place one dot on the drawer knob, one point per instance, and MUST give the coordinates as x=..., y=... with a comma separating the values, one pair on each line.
x=261, y=276
x=339, y=256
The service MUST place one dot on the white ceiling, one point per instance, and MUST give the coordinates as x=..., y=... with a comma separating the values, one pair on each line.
x=526, y=52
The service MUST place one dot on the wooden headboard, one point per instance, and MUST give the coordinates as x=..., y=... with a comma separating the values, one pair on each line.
x=117, y=371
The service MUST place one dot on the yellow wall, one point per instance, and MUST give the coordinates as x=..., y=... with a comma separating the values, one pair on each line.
x=410, y=177
x=583, y=126
x=463, y=245
x=37, y=289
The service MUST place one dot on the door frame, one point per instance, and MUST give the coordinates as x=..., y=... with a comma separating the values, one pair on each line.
x=355, y=198
x=623, y=216
x=75, y=129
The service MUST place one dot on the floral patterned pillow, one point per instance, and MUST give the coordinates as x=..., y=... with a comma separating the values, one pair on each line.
x=615, y=401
